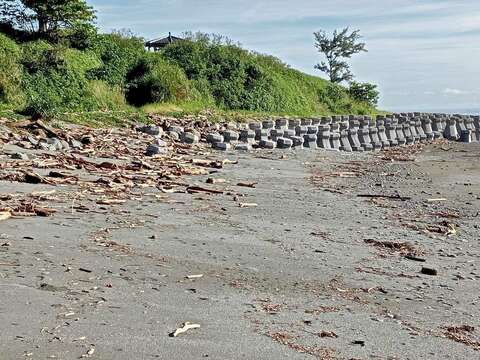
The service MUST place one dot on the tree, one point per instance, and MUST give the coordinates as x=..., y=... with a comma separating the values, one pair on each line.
x=341, y=46
x=45, y=16
x=364, y=92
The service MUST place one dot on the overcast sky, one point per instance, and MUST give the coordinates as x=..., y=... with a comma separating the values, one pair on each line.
x=424, y=55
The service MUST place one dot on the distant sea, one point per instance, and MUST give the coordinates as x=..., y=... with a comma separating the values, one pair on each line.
x=463, y=111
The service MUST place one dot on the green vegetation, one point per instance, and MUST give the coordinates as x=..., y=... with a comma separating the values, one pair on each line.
x=66, y=70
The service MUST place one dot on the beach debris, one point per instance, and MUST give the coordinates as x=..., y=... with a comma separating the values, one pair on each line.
x=184, y=328
x=5, y=215
x=247, y=205
x=191, y=277
x=429, y=271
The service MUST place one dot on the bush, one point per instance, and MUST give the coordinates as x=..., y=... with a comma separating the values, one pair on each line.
x=119, y=54
x=55, y=79
x=364, y=92
x=155, y=80
x=11, y=94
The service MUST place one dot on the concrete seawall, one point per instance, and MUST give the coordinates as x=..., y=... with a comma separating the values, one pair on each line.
x=347, y=133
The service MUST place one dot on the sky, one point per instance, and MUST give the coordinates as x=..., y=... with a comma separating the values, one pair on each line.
x=423, y=55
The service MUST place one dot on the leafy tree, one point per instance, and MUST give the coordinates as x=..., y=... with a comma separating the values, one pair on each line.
x=364, y=92
x=45, y=16
x=340, y=46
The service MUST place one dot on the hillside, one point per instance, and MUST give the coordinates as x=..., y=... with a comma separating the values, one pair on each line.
x=111, y=75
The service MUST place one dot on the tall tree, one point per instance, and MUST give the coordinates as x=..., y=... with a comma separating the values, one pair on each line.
x=45, y=16
x=336, y=49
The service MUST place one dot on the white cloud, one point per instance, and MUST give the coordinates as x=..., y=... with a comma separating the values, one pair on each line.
x=450, y=91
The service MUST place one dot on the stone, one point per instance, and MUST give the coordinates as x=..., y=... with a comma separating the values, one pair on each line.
x=284, y=143
x=150, y=130
x=19, y=156
x=175, y=136
x=222, y=146
x=155, y=149
x=87, y=139
x=75, y=144
x=177, y=129
x=214, y=138
x=190, y=138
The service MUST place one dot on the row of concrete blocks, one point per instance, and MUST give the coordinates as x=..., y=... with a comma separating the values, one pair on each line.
x=357, y=133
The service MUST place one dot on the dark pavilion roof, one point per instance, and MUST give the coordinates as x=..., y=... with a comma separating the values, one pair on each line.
x=162, y=42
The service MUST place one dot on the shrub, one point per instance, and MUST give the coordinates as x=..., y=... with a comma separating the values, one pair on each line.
x=118, y=53
x=364, y=92
x=55, y=79
x=11, y=94
x=154, y=79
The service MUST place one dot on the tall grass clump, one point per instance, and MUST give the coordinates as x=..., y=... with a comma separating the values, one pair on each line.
x=11, y=93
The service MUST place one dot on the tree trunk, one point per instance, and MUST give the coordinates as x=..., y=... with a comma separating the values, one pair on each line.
x=42, y=24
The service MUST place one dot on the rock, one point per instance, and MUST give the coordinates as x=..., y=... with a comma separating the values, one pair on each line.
x=429, y=271
x=19, y=156
x=297, y=141
x=173, y=135
x=65, y=145
x=150, y=130
x=178, y=129
x=87, y=139
x=155, y=149
x=76, y=144
x=190, y=138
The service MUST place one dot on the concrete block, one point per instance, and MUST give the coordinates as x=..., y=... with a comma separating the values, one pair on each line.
x=231, y=136
x=288, y=133
x=297, y=141
x=222, y=146
x=243, y=147
x=310, y=141
x=190, y=138
x=214, y=138
x=293, y=123
x=312, y=129
x=451, y=132
x=284, y=143
x=268, y=124
x=305, y=122
x=247, y=136
x=254, y=126
x=301, y=130
x=261, y=134
x=354, y=140
x=267, y=144
x=281, y=124
x=344, y=143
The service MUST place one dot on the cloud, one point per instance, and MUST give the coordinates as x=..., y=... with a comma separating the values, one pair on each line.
x=449, y=91
x=415, y=47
